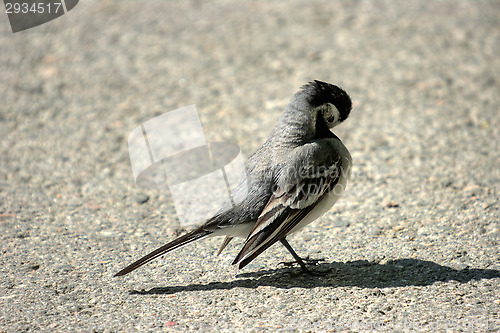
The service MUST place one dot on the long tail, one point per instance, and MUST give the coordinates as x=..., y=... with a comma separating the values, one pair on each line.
x=175, y=244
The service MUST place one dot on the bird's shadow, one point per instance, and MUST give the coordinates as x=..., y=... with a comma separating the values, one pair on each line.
x=361, y=273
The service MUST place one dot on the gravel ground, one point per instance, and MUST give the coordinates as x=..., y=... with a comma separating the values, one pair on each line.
x=413, y=245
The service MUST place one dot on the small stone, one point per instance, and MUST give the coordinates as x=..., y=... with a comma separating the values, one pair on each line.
x=141, y=198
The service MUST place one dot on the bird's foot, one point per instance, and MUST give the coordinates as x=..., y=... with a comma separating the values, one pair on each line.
x=309, y=261
x=305, y=269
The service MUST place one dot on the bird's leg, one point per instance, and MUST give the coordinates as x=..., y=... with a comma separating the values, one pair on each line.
x=300, y=261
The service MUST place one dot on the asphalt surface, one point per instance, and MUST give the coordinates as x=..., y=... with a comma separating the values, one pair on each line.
x=413, y=245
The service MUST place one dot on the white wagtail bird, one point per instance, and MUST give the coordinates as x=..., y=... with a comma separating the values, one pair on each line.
x=294, y=178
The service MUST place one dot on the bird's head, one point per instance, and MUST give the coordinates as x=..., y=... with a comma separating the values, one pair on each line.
x=329, y=101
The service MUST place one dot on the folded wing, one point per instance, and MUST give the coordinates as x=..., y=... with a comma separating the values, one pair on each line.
x=310, y=175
